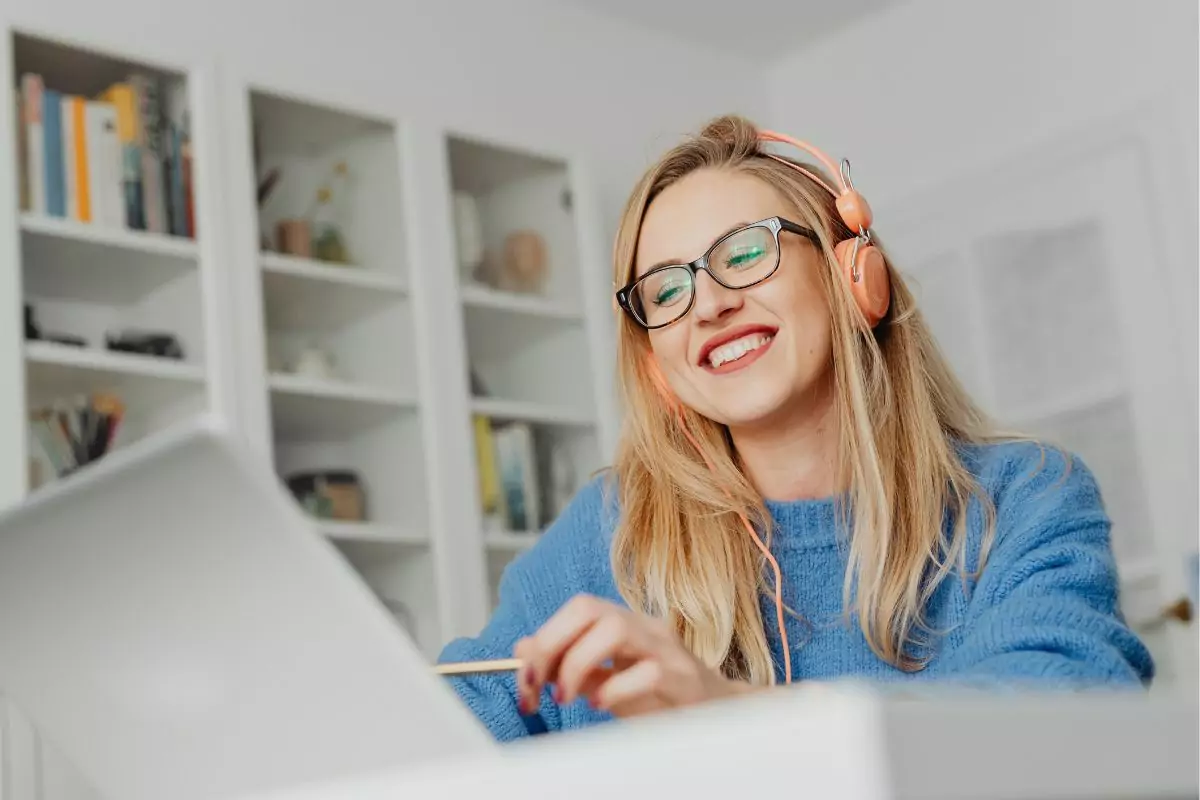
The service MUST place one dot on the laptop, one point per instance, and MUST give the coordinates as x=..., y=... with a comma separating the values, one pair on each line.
x=177, y=627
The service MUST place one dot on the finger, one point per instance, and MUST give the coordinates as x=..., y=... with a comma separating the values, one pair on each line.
x=528, y=690
x=615, y=635
x=546, y=647
x=595, y=679
x=638, y=689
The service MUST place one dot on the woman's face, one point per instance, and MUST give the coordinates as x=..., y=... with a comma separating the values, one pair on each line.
x=750, y=357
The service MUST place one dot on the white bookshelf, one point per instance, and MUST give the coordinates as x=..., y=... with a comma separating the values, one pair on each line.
x=361, y=413
x=402, y=328
x=91, y=275
x=527, y=347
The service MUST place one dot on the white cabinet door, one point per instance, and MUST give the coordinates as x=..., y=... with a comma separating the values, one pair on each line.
x=1044, y=282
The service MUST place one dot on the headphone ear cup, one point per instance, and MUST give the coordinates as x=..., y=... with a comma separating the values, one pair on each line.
x=867, y=278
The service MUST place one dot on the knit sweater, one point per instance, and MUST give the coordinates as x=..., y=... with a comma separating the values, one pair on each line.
x=1044, y=613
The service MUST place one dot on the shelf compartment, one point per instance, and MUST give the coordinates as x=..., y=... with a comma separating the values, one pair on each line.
x=61, y=370
x=310, y=409
x=514, y=191
x=541, y=359
x=300, y=293
x=64, y=259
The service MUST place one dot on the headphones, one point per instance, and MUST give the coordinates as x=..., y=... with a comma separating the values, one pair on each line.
x=861, y=262
x=866, y=273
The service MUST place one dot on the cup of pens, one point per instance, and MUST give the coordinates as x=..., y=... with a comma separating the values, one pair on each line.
x=75, y=434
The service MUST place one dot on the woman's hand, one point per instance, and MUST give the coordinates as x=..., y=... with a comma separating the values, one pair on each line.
x=622, y=662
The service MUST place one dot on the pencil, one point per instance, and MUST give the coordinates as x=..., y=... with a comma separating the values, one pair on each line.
x=479, y=667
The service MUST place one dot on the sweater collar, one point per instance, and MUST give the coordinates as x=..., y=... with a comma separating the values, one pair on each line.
x=803, y=524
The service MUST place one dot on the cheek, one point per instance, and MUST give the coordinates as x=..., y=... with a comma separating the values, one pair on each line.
x=669, y=346
x=813, y=323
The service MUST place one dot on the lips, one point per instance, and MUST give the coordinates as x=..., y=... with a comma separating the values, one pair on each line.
x=731, y=335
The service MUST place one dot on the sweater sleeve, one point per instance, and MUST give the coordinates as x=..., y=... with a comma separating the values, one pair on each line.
x=1045, y=612
x=493, y=697
x=569, y=557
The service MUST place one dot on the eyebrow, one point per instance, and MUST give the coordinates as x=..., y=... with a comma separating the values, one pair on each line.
x=674, y=262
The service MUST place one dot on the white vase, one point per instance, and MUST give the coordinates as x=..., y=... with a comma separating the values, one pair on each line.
x=469, y=233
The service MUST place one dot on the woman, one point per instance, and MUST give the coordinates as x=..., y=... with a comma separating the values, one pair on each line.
x=802, y=491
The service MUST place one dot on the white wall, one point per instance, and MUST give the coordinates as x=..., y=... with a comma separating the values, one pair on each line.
x=934, y=93
x=521, y=70
x=914, y=94
x=932, y=89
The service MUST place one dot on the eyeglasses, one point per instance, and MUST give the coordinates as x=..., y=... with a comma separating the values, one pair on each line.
x=737, y=260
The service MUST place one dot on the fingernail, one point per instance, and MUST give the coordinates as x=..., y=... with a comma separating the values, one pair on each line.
x=527, y=676
x=557, y=695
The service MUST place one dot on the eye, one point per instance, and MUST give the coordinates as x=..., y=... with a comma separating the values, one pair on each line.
x=669, y=293
x=745, y=256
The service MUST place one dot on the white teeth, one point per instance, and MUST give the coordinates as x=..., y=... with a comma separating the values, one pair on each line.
x=732, y=351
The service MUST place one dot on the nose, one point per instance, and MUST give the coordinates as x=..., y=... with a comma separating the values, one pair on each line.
x=713, y=300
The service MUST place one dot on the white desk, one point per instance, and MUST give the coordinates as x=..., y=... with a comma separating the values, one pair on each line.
x=821, y=743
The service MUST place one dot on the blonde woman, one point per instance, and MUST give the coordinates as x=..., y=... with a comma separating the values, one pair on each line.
x=803, y=491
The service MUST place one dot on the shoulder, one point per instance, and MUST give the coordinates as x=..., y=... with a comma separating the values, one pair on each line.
x=1023, y=477
x=572, y=554
x=1046, y=502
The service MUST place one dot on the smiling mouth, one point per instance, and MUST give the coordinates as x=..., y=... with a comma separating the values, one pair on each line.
x=739, y=353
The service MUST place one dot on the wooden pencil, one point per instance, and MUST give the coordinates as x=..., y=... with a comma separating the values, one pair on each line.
x=478, y=667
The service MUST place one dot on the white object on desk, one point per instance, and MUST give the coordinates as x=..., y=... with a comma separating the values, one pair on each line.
x=173, y=622
x=844, y=743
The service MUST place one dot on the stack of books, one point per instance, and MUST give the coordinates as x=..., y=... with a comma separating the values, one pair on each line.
x=122, y=159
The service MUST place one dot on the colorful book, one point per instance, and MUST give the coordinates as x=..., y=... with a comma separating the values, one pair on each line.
x=104, y=164
x=52, y=153
x=124, y=100
x=518, y=477
x=33, y=94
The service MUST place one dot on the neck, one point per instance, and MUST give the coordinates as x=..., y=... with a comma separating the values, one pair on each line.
x=794, y=457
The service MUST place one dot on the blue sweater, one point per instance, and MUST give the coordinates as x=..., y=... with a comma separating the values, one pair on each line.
x=1044, y=613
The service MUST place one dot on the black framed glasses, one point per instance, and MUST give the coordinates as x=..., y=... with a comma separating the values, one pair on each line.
x=738, y=260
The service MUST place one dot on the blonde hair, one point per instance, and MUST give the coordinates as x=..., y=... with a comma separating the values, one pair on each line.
x=680, y=551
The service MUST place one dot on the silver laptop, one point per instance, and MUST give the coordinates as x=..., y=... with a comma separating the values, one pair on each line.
x=174, y=624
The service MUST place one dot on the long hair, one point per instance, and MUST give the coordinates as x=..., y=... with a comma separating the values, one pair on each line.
x=680, y=551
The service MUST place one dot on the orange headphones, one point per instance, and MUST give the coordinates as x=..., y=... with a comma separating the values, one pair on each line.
x=866, y=273
x=861, y=261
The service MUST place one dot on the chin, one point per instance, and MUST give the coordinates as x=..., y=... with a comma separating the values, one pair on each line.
x=755, y=407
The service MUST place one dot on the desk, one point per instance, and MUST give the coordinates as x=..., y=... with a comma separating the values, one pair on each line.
x=847, y=743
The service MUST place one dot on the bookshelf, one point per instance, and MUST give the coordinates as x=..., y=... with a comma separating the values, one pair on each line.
x=114, y=283
x=533, y=387
x=335, y=325
x=356, y=365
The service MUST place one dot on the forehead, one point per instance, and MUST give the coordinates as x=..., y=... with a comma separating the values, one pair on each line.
x=690, y=214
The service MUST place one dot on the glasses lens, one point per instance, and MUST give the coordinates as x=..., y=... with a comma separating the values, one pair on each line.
x=661, y=297
x=746, y=257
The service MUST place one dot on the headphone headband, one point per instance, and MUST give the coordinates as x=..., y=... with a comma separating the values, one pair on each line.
x=852, y=206
x=826, y=161
x=866, y=271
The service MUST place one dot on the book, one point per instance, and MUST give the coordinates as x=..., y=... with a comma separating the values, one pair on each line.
x=518, y=477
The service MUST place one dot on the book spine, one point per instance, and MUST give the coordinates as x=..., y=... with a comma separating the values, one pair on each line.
x=32, y=91
x=122, y=96
x=52, y=152
x=83, y=193
x=104, y=160
x=175, y=134
x=22, y=150
x=67, y=148
x=150, y=144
